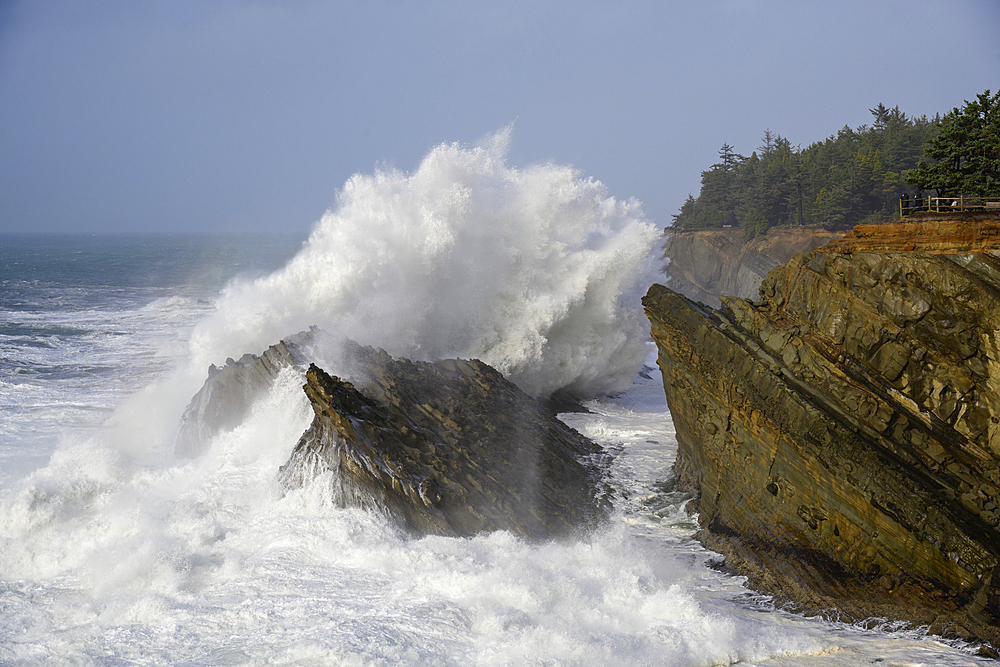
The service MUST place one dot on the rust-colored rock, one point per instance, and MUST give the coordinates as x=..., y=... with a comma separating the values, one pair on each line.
x=977, y=232
x=843, y=432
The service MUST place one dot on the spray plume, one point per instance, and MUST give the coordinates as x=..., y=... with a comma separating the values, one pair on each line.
x=535, y=271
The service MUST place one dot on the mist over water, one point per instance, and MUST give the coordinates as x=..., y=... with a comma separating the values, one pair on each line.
x=536, y=271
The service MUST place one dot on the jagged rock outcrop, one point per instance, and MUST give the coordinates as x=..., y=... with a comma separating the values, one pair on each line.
x=449, y=448
x=229, y=392
x=843, y=432
x=705, y=264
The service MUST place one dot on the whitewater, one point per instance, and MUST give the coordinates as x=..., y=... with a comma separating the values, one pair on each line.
x=114, y=551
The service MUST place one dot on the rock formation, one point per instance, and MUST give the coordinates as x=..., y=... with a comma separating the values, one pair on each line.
x=450, y=448
x=705, y=264
x=230, y=391
x=843, y=432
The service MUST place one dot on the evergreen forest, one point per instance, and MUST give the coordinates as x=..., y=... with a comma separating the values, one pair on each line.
x=856, y=176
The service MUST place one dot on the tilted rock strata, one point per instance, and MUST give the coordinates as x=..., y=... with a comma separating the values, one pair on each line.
x=842, y=432
x=705, y=264
x=449, y=448
x=229, y=392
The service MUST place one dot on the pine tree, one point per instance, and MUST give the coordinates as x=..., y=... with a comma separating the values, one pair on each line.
x=852, y=177
x=966, y=151
x=768, y=146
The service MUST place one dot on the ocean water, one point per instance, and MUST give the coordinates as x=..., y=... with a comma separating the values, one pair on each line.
x=115, y=552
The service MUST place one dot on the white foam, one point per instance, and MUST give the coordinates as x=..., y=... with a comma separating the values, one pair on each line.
x=169, y=303
x=112, y=512
x=117, y=550
x=536, y=271
x=104, y=552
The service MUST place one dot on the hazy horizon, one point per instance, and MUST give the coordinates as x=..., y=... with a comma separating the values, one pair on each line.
x=249, y=117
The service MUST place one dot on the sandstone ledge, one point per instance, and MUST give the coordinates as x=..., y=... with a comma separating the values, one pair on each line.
x=975, y=233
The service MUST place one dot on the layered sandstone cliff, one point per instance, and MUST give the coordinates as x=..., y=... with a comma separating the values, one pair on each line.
x=705, y=264
x=843, y=432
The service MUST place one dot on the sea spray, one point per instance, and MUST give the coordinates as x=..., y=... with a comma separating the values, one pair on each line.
x=109, y=556
x=536, y=271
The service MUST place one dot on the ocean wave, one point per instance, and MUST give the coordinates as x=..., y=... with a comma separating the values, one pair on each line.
x=536, y=271
x=175, y=302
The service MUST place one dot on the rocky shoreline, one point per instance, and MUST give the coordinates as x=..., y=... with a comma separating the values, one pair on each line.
x=841, y=432
x=449, y=447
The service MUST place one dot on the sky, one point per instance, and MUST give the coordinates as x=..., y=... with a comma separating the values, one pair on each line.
x=249, y=116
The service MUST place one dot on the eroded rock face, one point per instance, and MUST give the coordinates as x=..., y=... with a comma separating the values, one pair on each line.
x=843, y=432
x=449, y=448
x=230, y=391
x=705, y=264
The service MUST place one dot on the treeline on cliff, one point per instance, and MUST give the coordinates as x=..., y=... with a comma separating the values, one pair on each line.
x=853, y=177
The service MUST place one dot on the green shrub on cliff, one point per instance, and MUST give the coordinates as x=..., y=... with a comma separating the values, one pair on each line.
x=854, y=176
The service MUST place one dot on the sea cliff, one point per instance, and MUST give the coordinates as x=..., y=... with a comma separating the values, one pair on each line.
x=842, y=432
x=706, y=263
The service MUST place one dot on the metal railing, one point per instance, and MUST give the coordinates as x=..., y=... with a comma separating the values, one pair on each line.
x=948, y=204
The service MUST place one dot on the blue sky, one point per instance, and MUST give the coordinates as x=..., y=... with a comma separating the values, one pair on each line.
x=122, y=116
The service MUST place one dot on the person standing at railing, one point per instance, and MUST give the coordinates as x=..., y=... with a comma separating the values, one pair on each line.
x=904, y=205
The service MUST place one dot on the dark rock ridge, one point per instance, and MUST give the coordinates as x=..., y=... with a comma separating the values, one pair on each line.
x=230, y=391
x=843, y=432
x=707, y=263
x=449, y=448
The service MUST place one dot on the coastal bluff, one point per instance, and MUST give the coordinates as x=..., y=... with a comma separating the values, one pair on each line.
x=706, y=263
x=841, y=432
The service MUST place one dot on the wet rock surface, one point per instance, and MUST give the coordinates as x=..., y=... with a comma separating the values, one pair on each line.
x=449, y=448
x=843, y=432
x=230, y=391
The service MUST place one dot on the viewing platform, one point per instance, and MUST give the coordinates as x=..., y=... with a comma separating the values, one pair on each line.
x=953, y=204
